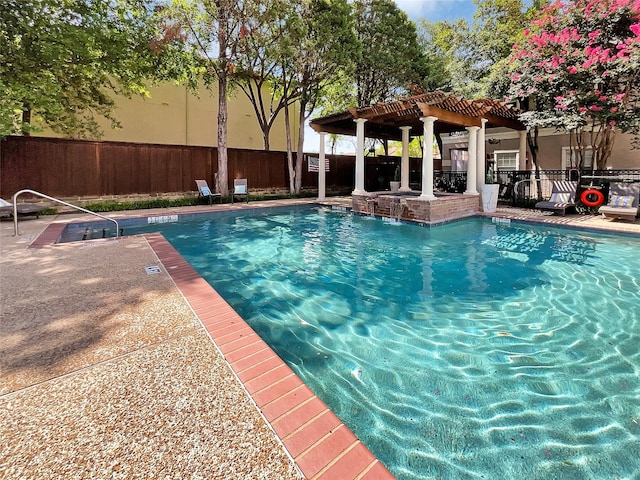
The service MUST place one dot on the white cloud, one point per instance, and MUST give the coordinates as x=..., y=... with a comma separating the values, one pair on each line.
x=437, y=9
x=413, y=8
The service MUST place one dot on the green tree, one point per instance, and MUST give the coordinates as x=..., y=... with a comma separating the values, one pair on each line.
x=259, y=61
x=448, y=42
x=62, y=61
x=578, y=66
x=322, y=54
x=215, y=32
x=475, y=55
x=391, y=61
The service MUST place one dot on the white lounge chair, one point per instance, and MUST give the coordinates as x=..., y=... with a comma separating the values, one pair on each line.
x=205, y=191
x=563, y=196
x=240, y=188
x=622, y=202
x=6, y=208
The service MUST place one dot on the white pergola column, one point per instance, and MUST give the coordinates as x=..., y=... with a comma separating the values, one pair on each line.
x=522, y=163
x=359, y=190
x=404, y=163
x=472, y=164
x=482, y=157
x=427, y=158
x=322, y=176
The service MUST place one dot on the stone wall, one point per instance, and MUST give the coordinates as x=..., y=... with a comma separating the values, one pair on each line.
x=443, y=208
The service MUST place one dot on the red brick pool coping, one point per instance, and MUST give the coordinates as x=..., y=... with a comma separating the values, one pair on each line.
x=320, y=444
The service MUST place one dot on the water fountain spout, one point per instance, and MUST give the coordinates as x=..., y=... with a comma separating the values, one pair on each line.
x=396, y=207
x=371, y=206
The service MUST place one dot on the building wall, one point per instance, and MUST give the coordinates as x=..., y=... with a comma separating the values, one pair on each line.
x=622, y=156
x=172, y=115
x=551, y=144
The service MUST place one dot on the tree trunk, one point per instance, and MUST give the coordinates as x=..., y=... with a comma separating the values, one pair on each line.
x=223, y=174
x=580, y=148
x=292, y=172
x=439, y=142
x=266, y=130
x=533, y=148
x=602, y=145
x=300, y=150
x=26, y=122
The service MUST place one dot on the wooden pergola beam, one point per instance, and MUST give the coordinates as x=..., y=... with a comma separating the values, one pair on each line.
x=332, y=129
x=453, y=112
x=372, y=131
x=511, y=123
x=449, y=117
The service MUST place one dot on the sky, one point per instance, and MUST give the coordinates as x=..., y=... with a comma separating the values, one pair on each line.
x=432, y=10
x=435, y=10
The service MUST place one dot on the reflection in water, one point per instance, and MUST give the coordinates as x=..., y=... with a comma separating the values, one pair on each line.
x=540, y=246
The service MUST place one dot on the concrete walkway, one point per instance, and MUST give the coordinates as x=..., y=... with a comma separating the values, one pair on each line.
x=108, y=373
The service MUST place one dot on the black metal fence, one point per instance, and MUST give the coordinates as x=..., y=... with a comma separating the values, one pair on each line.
x=524, y=187
x=623, y=175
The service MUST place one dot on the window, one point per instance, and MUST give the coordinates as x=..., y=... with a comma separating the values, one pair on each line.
x=459, y=159
x=570, y=158
x=506, y=160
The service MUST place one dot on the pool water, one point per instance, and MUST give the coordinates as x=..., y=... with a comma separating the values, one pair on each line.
x=465, y=351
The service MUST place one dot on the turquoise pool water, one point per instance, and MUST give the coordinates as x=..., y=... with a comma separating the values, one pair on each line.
x=466, y=351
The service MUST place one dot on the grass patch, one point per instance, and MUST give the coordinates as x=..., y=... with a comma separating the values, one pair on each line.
x=48, y=211
x=141, y=204
x=185, y=202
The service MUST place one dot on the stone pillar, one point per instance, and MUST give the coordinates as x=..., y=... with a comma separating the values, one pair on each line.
x=427, y=159
x=322, y=176
x=359, y=190
x=472, y=164
x=404, y=164
x=522, y=163
x=482, y=157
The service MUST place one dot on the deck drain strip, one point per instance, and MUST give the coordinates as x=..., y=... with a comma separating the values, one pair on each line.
x=152, y=270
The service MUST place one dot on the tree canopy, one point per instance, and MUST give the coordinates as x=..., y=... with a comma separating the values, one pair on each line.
x=63, y=60
x=258, y=65
x=580, y=64
x=473, y=56
x=324, y=52
x=391, y=60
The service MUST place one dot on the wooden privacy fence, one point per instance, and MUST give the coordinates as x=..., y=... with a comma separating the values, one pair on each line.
x=79, y=168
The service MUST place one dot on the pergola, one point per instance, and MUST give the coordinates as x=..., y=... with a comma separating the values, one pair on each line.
x=426, y=114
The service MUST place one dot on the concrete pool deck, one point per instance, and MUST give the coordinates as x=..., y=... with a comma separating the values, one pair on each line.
x=110, y=372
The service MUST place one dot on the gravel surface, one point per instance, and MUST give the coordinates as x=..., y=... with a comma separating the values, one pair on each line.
x=107, y=373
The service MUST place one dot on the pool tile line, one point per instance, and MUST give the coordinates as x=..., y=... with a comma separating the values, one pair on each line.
x=319, y=443
x=287, y=421
x=286, y=403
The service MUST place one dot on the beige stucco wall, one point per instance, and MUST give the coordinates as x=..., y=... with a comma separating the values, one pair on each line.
x=550, y=151
x=622, y=156
x=172, y=115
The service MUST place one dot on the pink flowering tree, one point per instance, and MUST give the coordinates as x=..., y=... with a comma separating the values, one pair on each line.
x=578, y=66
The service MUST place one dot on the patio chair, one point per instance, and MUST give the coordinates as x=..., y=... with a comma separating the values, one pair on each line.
x=24, y=209
x=205, y=191
x=623, y=201
x=240, y=188
x=563, y=196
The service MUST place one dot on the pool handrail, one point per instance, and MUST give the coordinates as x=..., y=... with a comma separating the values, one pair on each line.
x=33, y=192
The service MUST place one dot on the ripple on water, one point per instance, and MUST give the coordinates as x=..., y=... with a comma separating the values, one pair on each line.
x=466, y=351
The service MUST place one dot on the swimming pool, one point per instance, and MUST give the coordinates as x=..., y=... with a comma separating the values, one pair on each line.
x=470, y=350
